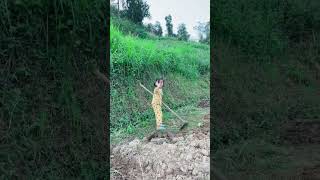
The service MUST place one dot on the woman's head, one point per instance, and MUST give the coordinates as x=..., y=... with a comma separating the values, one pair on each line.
x=159, y=83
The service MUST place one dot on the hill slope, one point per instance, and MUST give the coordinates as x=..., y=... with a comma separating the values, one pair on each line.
x=183, y=65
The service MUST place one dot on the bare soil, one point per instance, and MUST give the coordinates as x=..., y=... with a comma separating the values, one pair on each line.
x=185, y=156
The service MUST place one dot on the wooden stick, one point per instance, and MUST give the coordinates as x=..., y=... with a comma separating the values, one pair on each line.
x=164, y=104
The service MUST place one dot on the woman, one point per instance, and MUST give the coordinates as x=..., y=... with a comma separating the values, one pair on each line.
x=157, y=102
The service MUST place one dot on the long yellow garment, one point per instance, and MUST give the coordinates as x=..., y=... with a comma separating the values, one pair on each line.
x=156, y=105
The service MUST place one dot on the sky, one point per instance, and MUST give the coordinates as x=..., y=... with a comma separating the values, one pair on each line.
x=182, y=11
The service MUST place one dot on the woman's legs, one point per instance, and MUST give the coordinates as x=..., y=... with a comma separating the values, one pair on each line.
x=158, y=114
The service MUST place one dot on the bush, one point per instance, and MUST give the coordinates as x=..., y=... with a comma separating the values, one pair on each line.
x=129, y=28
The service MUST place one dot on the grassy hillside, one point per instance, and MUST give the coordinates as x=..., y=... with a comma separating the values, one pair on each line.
x=183, y=65
x=52, y=107
x=266, y=64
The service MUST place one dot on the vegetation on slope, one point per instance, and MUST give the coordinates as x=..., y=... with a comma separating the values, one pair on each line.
x=52, y=106
x=184, y=65
x=266, y=73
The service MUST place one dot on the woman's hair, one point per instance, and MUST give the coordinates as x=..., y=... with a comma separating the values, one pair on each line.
x=157, y=80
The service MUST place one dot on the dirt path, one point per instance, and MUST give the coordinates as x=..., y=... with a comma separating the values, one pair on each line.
x=186, y=157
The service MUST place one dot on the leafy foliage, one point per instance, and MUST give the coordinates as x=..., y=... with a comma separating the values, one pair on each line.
x=158, y=29
x=266, y=69
x=169, y=25
x=182, y=32
x=155, y=29
x=150, y=27
x=128, y=27
x=51, y=125
x=204, y=32
x=264, y=28
x=259, y=83
x=135, y=10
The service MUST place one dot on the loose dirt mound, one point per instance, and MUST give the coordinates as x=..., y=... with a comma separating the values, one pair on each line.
x=186, y=157
x=302, y=132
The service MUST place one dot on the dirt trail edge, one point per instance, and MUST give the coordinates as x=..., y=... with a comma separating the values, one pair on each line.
x=185, y=157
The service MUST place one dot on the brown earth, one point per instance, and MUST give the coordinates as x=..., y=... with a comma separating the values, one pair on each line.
x=185, y=157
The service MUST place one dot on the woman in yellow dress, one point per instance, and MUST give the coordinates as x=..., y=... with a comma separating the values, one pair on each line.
x=157, y=102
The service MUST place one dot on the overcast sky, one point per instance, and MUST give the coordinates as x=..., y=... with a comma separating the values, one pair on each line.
x=182, y=11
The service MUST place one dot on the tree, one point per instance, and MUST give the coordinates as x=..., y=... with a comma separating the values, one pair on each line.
x=182, y=32
x=204, y=32
x=155, y=29
x=150, y=27
x=158, y=29
x=135, y=10
x=169, y=25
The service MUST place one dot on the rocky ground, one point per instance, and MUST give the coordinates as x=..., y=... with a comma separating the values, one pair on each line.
x=186, y=156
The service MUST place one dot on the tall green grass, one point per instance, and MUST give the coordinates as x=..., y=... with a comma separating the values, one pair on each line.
x=184, y=65
x=266, y=28
x=266, y=73
x=259, y=85
x=135, y=55
x=50, y=122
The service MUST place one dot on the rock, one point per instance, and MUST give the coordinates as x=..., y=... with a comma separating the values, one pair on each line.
x=184, y=168
x=163, y=166
x=206, y=159
x=204, y=167
x=188, y=157
x=134, y=142
x=194, y=144
x=169, y=177
x=169, y=171
x=195, y=171
x=204, y=152
x=161, y=173
x=179, y=177
x=148, y=168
